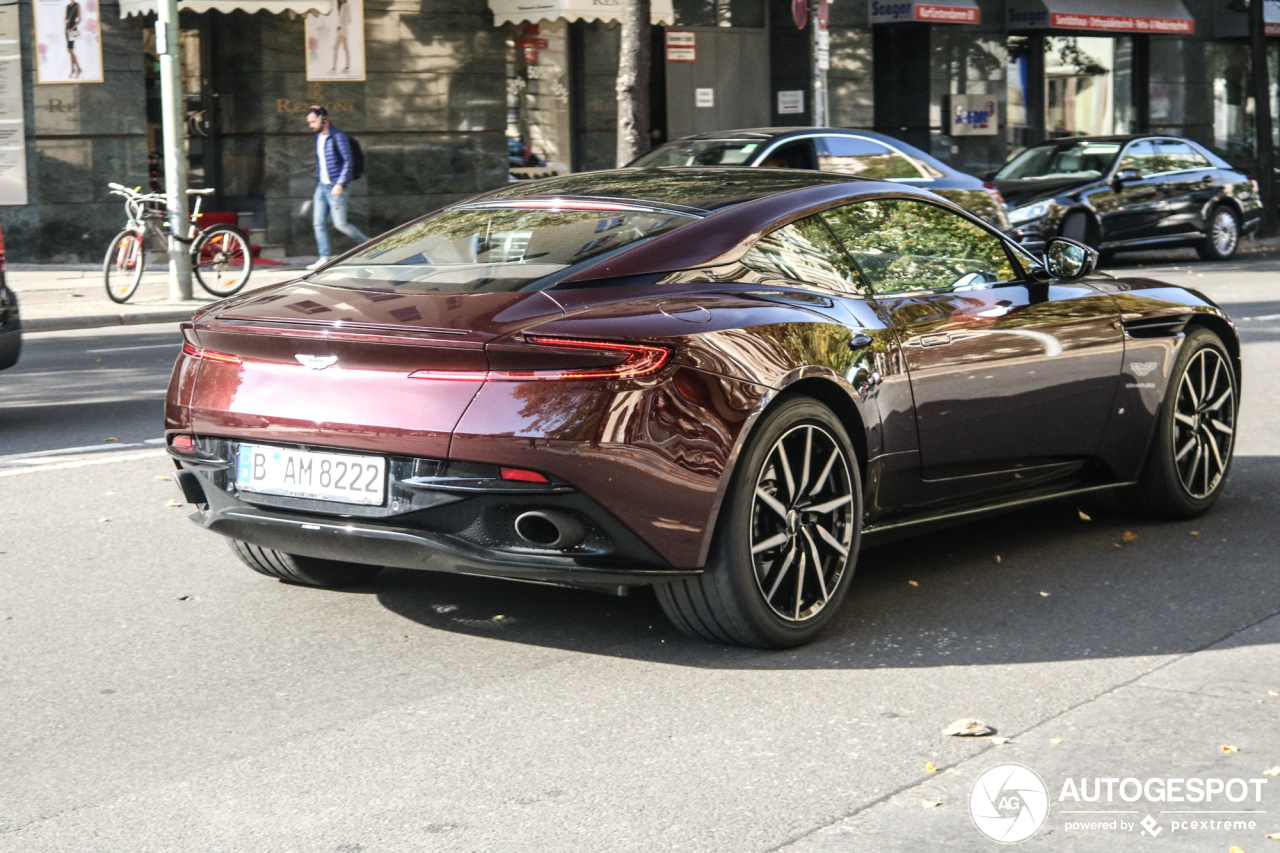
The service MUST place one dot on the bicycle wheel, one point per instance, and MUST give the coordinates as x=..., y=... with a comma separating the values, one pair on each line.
x=122, y=268
x=222, y=260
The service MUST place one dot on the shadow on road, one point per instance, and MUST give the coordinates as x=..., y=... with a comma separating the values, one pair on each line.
x=978, y=600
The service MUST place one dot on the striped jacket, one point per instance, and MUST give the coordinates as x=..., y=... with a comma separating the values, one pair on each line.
x=337, y=157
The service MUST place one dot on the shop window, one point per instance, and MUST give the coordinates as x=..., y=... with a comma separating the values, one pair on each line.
x=905, y=245
x=538, y=127
x=1233, y=101
x=719, y=13
x=1081, y=91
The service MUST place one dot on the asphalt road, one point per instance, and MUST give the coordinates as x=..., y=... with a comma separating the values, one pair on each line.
x=157, y=695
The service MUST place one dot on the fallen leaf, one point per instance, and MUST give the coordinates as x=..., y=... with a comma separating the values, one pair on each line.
x=162, y=477
x=499, y=618
x=1129, y=536
x=1043, y=593
x=105, y=440
x=1235, y=849
x=930, y=804
x=110, y=493
x=1229, y=747
x=930, y=768
x=1272, y=693
x=1083, y=515
x=1195, y=533
x=968, y=727
x=104, y=518
x=1055, y=740
x=1275, y=836
x=997, y=558
x=99, y=361
x=914, y=583
x=174, y=503
x=1115, y=544
x=999, y=740
x=1273, y=771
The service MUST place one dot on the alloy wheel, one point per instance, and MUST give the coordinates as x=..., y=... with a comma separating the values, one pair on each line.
x=802, y=522
x=1224, y=233
x=1204, y=422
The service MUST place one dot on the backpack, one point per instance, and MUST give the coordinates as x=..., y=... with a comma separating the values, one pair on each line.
x=357, y=158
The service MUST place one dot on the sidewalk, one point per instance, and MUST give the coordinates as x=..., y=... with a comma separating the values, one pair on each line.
x=73, y=296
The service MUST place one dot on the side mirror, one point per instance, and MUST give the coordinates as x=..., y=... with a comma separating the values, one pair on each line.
x=1126, y=176
x=1068, y=260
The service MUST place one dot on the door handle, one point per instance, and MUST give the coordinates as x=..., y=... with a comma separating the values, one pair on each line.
x=859, y=341
x=935, y=340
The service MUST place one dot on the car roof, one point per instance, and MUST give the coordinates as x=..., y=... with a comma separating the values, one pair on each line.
x=697, y=188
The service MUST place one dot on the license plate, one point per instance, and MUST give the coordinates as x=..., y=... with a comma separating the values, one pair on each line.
x=310, y=474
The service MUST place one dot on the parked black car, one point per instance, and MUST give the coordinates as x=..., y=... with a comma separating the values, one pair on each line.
x=10, y=323
x=834, y=149
x=1129, y=192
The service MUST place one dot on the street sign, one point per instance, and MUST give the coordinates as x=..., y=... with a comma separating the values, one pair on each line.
x=682, y=46
x=800, y=12
x=824, y=14
x=973, y=115
x=704, y=97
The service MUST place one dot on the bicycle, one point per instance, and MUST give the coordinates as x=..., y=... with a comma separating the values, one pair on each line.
x=221, y=257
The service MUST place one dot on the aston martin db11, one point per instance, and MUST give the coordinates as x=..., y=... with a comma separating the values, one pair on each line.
x=712, y=381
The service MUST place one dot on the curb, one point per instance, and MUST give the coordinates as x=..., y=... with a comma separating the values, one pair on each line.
x=95, y=321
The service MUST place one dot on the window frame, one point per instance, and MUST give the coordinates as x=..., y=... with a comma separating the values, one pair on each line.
x=1024, y=273
x=920, y=167
x=864, y=289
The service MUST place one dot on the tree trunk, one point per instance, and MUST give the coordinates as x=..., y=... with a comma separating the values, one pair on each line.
x=1262, y=114
x=633, y=81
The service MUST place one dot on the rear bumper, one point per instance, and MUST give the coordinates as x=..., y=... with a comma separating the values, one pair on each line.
x=438, y=516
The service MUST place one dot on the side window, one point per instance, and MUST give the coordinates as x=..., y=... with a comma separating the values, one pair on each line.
x=793, y=155
x=904, y=245
x=804, y=252
x=1175, y=156
x=1141, y=156
x=854, y=155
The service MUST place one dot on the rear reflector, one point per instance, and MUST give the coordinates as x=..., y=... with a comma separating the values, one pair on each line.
x=183, y=443
x=523, y=476
x=195, y=352
x=637, y=360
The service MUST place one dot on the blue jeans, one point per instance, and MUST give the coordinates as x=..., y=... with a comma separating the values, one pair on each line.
x=326, y=201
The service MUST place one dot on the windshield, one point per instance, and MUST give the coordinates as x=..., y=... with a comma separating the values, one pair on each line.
x=1058, y=160
x=701, y=152
x=495, y=249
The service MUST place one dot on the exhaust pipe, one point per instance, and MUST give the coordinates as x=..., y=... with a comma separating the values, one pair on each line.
x=549, y=528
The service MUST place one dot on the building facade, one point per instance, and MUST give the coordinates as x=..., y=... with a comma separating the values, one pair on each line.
x=460, y=96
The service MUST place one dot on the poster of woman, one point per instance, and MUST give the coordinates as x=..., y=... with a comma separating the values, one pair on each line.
x=68, y=41
x=335, y=42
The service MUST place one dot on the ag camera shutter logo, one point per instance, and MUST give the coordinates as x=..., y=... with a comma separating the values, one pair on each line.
x=1008, y=803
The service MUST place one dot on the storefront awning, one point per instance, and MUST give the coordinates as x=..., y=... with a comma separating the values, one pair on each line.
x=533, y=11
x=1233, y=24
x=1131, y=16
x=301, y=7
x=941, y=12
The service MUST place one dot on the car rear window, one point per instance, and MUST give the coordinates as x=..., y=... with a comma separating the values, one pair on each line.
x=495, y=249
x=700, y=152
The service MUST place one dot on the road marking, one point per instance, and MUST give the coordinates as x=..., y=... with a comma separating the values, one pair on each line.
x=1265, y=317
x=71, y=451
x=126, y=349
x=81, y=463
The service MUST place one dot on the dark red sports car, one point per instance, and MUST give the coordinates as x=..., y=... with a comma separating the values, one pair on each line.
x=712, y=381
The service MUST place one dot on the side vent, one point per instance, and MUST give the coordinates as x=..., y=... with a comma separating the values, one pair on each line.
x=1155, y=327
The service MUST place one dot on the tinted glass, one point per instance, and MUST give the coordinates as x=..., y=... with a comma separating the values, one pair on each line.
x=488, y=250
x=1140, y=156
x=851, y=155
x=803, y=251
x=905, y=245
x=701, y=152
x=1174, y=156
x=719, y=13
x=1082, y=160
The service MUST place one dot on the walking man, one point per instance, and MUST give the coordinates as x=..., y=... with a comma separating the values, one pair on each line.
x=334, y=171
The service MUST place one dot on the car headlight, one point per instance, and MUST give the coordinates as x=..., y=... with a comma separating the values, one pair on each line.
x=1028, y=213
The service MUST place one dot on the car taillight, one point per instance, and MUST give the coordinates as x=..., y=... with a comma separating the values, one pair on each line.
x=522, y=476
x=183, y=443
x=637, y=360
x=994, y=192
x=194, y=351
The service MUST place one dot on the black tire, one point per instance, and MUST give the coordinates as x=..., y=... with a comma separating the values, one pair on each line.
x=307, y=571
x=1191, y=451
x=729, y=602
x=123, y=265
x=1222, y=235
x=222, y=260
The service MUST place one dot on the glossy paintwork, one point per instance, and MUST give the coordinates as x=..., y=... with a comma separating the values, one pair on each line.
x=657, y=452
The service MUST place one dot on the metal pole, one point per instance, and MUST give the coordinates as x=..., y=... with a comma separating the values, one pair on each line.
x=173, y=121
x=821, y=52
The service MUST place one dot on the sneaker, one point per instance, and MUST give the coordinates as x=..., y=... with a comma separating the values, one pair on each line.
x=321, y=261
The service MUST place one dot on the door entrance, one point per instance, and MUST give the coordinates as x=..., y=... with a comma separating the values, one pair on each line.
x=725, y=87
